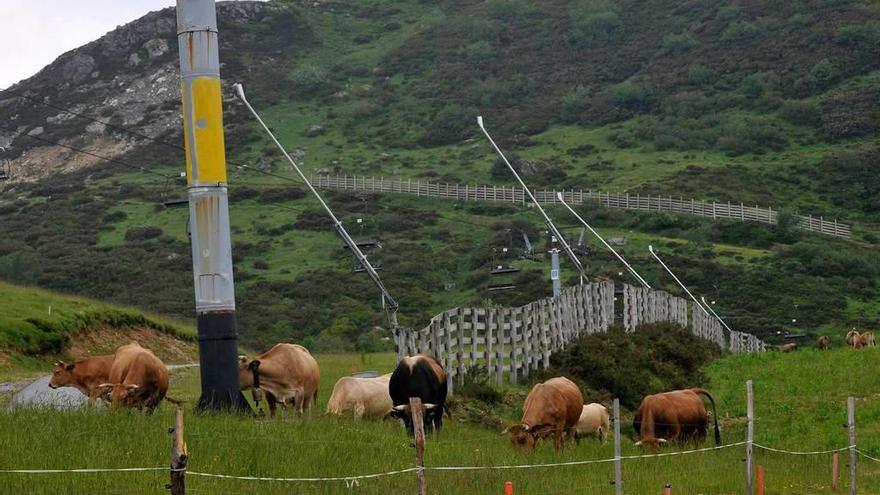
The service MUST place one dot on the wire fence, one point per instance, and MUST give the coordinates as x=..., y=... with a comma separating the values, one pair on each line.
x=467, y=192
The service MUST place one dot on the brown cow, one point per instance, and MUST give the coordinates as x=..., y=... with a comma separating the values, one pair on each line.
x=287, y=373
x=867, y=339
x=85, y=375
x=676, y=415
x=789, y=347
x=138, y=379
x=824, y=343
x=854, y=339
x=552, y=407
x=361, y=396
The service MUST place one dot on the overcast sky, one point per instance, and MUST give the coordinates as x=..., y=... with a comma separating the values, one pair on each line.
x=33, y=33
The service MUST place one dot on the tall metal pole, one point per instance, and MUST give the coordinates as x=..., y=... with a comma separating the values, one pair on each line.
x=208, y=206
x=554, y=272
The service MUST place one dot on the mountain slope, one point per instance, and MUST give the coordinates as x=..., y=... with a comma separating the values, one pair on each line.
x=750, y=102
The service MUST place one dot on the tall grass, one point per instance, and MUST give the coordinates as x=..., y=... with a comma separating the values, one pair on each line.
x=798, y=401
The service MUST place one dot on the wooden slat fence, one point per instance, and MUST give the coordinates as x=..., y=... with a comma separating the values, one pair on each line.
x=467, y=192
x=517, y=341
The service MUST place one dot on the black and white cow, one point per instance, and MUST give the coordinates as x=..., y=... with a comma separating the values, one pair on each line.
x=423, y=377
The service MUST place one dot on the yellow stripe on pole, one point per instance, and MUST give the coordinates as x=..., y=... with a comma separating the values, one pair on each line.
x=207, y=132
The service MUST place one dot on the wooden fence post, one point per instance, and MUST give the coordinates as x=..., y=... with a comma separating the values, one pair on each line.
x=618, y=469
x=415, y=406
x=851, y=424
x=179, y=455
x=750, y=414
x=835, y=471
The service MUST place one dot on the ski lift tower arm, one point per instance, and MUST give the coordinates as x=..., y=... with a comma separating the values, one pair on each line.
x=565, y=247
x=388, y=302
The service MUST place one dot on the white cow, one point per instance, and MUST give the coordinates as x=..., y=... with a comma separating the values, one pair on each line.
x=361, y=396
x=593, y=421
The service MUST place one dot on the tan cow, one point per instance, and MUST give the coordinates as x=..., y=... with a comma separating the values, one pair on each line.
x=287, y=373
x=138, y=379
x=867, y=339
x=85, y=375
x=854, y=339
x=361, y=396
x=824, y=343
x=593, y=421
x=551, y=408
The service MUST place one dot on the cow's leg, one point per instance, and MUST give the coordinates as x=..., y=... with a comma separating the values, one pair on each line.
x=93, y=397
x=273, y=404
x=557, y=438
x=359, y=409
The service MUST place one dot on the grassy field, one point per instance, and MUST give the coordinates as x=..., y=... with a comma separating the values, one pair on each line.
x=800, y=405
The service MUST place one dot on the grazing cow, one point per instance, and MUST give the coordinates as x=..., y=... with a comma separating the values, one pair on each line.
x=593, y=421
x=551, y=408
x=362, y=396
x=423, y=377
x=867, y=339
x=85, y=375
x=676, y=415
x=854, y=339
x=286, y=372
x=138, y=379
x=824, y=343
x=789, y=347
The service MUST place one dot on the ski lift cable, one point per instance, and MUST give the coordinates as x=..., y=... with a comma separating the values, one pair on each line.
x=388, y=301
x=651, y=249
x=714, y=313
x=628, y=266
x=553, y=229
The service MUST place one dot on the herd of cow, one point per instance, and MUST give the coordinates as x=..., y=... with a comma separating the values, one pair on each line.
x=853, y=339
x=133, y=377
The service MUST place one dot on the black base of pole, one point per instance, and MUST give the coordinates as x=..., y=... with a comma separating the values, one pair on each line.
x=218, y=359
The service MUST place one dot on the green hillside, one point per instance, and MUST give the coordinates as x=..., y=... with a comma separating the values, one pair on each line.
x=753, y=102
x=36, y=325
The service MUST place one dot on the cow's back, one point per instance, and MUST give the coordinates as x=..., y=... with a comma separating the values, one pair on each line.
x=418, y=376
x=367, y=395
x=289, y=368
x=683, y=408
x=558, y=401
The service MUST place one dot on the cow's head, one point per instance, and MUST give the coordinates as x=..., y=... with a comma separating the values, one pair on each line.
x=525, y=436
x=247, y=369
x=62, y=374
x=651, y=442
x=118, y=394
x=404, y=412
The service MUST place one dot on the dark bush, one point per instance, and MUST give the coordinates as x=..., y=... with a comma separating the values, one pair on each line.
x=281, y=194
x=142, y=233
x=116, y=216
x=629, y=366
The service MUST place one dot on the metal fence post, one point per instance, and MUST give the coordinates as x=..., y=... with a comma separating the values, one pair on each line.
x=618, y=469
x=750, y=413
x=851, y=425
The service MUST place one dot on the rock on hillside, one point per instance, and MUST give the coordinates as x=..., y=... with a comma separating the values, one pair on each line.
x=128, y=77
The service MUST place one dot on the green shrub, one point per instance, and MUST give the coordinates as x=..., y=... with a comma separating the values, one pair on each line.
x=633, y=94
x=823, y=73
x=506, y=9
x=740, y=31
x=142, y=233
x=309, y=79
x=592, y=29
x=866, y=36
x=575, y=103
x=801, y=112
x=629, y=366
x=700, y=75
x=678, y=44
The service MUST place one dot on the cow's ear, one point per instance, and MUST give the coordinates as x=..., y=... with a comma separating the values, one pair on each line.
x=242, y=359
x=69, y=367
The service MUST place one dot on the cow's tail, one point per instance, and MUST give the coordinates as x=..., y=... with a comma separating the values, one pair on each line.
x=714, y=413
